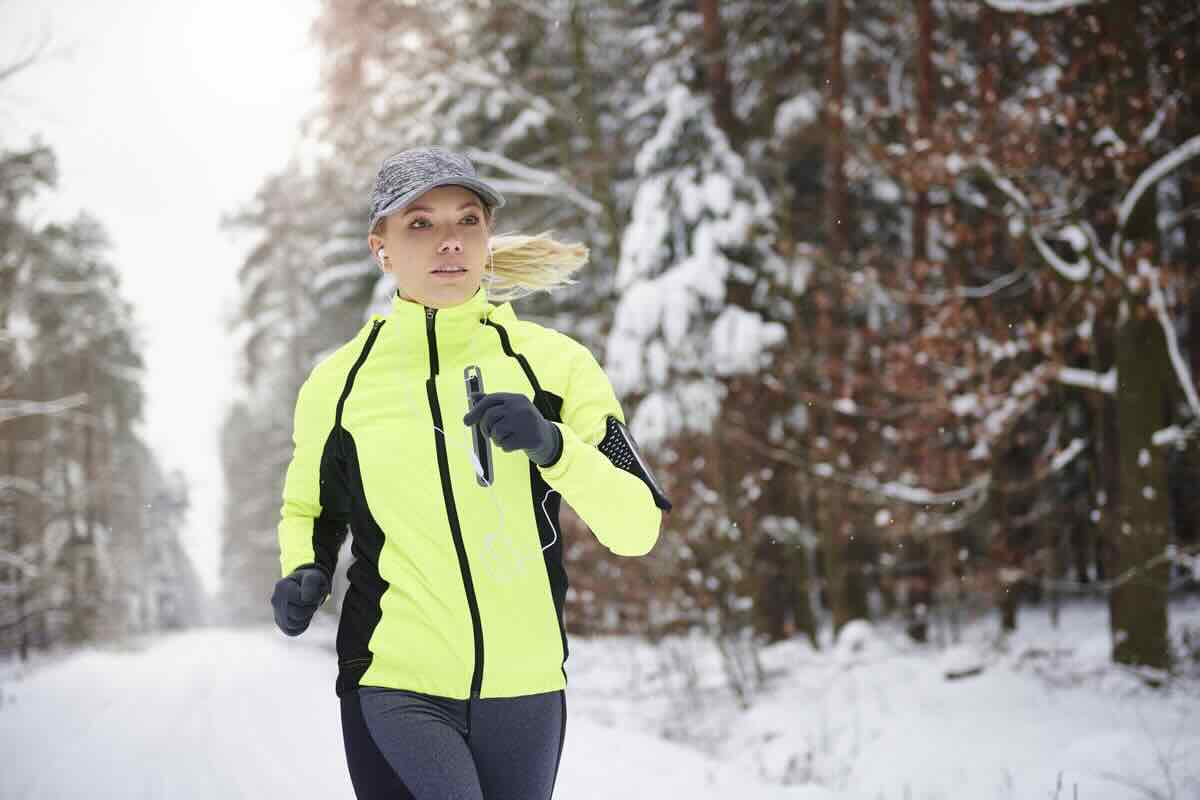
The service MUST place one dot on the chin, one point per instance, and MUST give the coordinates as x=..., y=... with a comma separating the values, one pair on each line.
x=452, y=294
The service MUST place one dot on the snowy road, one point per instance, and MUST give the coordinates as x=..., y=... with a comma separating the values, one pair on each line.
x=247, y=713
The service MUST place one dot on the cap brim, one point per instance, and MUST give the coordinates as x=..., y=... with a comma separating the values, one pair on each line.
x=490, y=196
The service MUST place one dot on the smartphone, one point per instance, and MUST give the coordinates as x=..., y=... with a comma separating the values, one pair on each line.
x=483, y=446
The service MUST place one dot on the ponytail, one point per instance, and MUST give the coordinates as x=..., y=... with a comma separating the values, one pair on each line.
x=521, y=265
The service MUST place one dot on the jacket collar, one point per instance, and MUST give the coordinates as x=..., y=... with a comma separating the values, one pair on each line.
x=457, y=330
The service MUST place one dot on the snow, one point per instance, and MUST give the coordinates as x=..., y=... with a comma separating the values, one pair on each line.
x=740, y=338
x=1074, y=235
x=689, y=406
x=1172, y=434
x=845, y=405
x=1088, y=379
x=871, y=716
x=675, y=260
x=964, y=404
x=1106, y=136
x=1154, y=130
x=1035, y=6
x=1067, y=455
x=799, y=111
x=886, y=190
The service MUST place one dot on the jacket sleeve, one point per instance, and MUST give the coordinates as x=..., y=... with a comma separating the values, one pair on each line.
x=607, y=485
x=315, y=513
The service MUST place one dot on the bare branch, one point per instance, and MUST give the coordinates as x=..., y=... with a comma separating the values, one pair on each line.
x=24, y=62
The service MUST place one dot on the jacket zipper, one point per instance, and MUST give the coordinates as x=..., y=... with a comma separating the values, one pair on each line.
x=451, y=510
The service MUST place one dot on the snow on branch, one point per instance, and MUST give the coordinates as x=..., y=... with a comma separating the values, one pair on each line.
x=1073, y=272
x=1158, y=304
x=19, y=563
x=990, y=288
x=533, y=181
x=938, y=297
x=1185, y=557
x=1079, y=235
x=476, y=75
x=1153, y=130
x=915, y=495
x=49, y=285
x=1151, y=175
x=1170, y=435
x=19, y=484
x=1035, y=6
x=1005, y=185
x=1067, y=454
x=125, y=372
x=15, y=409
x=1106, y=260
x=1088, y=379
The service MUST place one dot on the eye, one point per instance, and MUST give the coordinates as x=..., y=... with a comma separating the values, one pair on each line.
x=414, y=223
x=473, y=219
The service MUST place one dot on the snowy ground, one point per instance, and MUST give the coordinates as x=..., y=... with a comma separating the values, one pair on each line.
x=222, y=713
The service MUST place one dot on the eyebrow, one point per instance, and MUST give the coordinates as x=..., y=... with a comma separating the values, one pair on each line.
x=467, y=204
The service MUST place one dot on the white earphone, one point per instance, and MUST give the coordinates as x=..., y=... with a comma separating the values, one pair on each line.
x=382, y=255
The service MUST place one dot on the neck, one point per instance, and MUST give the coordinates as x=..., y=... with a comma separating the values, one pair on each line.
x=451, y=330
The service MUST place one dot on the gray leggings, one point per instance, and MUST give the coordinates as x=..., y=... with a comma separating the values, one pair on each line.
x=402, y=744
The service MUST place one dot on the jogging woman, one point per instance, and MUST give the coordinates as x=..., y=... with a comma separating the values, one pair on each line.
x=444, y=435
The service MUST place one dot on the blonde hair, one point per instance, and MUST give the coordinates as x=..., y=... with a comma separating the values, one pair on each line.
x=520, y=265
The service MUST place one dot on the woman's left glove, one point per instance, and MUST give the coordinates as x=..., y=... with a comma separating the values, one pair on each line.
x=512, y=421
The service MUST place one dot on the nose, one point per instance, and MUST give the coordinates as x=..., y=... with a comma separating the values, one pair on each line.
x=450, y=246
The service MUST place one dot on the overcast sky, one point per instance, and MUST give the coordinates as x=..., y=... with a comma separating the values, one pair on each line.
x=164, y=114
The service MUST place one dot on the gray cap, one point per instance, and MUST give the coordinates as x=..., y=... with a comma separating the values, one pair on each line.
x=407, y=175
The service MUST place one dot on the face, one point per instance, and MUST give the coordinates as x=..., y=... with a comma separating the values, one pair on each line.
x=443, y=228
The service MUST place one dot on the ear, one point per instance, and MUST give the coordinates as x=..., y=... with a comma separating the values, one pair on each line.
x=375, y=243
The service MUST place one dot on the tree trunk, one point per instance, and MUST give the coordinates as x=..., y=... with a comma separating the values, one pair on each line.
x=1138, y=603
x=924, y=61
x=716, y=71
x=836, y=222
x=598, y=164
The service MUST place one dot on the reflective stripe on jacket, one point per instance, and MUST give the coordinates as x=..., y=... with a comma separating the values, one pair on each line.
x=453, y=592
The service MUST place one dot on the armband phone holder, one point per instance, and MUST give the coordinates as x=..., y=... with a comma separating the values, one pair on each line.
x=622, y=450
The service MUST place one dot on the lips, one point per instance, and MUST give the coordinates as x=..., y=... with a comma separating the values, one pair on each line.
x=449, y=269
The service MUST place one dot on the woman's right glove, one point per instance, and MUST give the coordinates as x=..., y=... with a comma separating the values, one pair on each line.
x=297, y=597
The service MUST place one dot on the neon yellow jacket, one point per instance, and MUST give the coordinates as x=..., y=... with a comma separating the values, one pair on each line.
x=456, y=588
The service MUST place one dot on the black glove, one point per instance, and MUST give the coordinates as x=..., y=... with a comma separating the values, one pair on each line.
x=512, y=422
x=297, y=597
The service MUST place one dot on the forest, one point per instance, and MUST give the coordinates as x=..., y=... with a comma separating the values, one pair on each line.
x=90, y=519
x=900, y=298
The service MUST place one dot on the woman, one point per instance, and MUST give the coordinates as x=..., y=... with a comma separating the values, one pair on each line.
x=452, y=642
